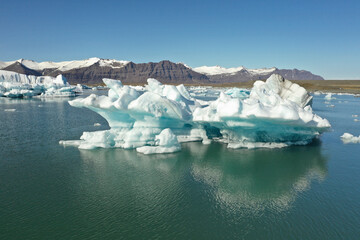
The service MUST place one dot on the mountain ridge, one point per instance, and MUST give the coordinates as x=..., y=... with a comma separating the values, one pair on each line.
x=93, y=70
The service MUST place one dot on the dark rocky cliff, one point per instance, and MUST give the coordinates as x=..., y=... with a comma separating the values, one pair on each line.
x=19, y=68
x=132, y=73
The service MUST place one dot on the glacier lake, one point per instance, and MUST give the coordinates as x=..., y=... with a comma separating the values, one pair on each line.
x=48, y=191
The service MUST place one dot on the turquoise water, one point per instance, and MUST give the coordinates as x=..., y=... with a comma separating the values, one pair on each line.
x=203, y=192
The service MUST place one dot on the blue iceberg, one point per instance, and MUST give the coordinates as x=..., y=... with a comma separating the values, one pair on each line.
x=157, y=118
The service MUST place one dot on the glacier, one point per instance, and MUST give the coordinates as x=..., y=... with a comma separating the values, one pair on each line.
x=157, y=118
x=15, y=85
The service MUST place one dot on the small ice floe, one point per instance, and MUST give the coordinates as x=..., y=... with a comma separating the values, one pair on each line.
x=317, y=93
x=356, y=120
x=74, y=143
x=15, y=85
x=355, y=115
x=40, y=105
x=328, y=96
x=330, y=105
x=349, y=138
x=10, y=110
x=97, y=124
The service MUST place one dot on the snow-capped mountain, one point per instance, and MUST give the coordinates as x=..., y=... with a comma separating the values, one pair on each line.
x=92, y=70
x=219, y=74
x=66, y=65
x=216, y=70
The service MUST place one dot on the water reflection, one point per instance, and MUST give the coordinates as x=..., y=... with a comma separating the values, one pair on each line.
x=259, y=179
x=255, y=180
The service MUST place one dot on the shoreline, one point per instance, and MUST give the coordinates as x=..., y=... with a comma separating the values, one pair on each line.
x=325, y=86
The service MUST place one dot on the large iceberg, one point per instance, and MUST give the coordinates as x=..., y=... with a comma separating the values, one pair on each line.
x=15, y=85
x=275, y=113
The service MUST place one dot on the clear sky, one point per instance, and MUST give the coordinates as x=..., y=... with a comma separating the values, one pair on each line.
x=317, y=35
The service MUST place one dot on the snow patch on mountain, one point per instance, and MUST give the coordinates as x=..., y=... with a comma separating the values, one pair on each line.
x=261, y=71
x=215, y=70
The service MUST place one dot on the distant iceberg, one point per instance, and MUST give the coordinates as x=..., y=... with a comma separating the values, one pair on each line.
x=349, y=138
x=275, y=113
x=15, y=85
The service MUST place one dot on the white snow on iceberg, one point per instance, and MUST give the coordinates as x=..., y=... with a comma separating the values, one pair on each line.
x=276, y=113
x=15, y=85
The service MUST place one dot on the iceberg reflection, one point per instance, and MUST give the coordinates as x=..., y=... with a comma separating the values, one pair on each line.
x=259, y=179
x=256, y=180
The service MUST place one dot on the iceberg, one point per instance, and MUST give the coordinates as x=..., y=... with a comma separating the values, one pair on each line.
x=15, y=85
x=276, y=113
x=349, y=138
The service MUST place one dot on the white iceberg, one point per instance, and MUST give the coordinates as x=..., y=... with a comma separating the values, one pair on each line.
x=329, y=97
x=276, y=113
x=349, y=138
x=15, y=85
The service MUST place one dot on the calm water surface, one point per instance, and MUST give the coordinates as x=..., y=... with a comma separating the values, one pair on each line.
x=203, y=192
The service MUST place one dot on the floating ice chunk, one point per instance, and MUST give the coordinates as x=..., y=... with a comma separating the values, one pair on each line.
x=79, y=88
x=166, y=142
x=55, y=92
x=75, y=143
x=10, y=110
x=355, y=115
x=97, y=124
x=99, y=139
x=349, y=138
x=329, y=97
x=15, y=85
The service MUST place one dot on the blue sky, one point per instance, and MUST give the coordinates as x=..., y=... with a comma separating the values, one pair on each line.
x=320, y=36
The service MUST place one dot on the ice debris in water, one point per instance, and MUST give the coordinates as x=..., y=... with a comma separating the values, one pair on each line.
x=329, y=97
x=97, y=124
x=275, y=113
x=349, y=138
x=15, y=85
